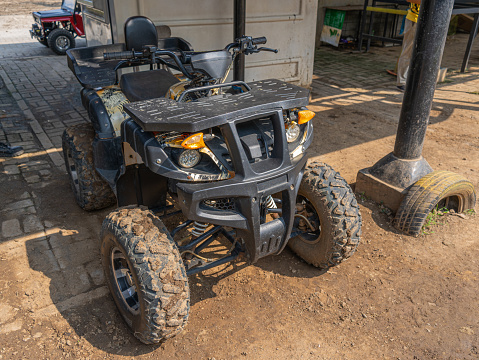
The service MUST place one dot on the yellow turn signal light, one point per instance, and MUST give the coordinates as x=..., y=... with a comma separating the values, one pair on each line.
x=304, y=116
x=194, y=141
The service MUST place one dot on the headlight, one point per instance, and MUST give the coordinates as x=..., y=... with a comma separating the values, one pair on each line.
x=189, y=158
x=292, y=132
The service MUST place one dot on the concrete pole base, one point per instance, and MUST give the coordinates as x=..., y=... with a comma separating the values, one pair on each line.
x=388, y=181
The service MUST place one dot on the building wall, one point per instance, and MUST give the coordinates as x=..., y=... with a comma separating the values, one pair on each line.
x=289, y=26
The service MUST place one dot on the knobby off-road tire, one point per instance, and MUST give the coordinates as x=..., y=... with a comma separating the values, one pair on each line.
x=61, y=40
x=338, y=214
x=90, y=190
x=137, y=244
x=431, y=191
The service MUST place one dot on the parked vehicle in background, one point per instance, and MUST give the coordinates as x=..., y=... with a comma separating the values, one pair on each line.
x=57, y=29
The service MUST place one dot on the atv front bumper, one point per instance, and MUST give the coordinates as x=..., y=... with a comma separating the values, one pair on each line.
x=36, y=32
x=259, y=159
x=239, y=203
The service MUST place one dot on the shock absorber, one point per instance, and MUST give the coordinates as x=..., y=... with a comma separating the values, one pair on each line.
x=199, y=229
x=270, y=204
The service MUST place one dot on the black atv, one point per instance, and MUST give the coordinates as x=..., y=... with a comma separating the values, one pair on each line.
x=230, y=157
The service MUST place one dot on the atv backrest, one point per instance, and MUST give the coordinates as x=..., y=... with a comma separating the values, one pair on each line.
x=140, y=31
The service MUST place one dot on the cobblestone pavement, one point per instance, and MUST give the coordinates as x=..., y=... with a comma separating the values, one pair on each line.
x=349, y=69
x=39, y=98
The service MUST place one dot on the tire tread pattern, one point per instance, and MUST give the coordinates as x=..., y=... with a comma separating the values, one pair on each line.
x=159, y=268
x=335, y=194
x=94, y=192
x=426, y=193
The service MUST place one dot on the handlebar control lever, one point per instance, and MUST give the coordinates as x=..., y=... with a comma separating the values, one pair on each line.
x=268, y=49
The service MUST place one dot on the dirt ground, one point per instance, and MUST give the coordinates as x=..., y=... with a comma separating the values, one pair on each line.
x=398, y=297
x=22, y=7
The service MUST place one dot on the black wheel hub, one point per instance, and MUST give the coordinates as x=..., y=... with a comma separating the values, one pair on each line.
x=62, y=43
x=73, y=170
x=306, y=221
x=123, y=280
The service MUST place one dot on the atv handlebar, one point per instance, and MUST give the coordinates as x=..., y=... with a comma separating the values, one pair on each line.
x=244, y=44
x=151, y=53
x=247, y=45
x=259, y=40
x=120, y=55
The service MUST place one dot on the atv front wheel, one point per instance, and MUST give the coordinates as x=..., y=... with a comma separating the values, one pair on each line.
x=90, y=190
x=327, y=222
x=61, y=40
x=145, y=274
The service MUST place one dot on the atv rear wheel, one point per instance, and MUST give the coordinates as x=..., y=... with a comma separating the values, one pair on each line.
x=90, y=190
x=61, y=40
x=145, y=274
x=327, y=222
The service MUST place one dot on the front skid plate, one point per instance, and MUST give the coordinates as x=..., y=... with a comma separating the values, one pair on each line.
x=260, y=239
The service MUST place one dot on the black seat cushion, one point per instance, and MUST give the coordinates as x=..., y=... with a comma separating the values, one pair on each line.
x=146, y=85
x=140, y=31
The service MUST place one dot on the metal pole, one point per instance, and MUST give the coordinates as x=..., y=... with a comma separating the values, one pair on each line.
x=387, y=180
x=472, y=36
x=239, y=30
x=422, y=77
x=362, y=23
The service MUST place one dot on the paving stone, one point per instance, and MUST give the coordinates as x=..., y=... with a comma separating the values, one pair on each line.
x=48, y=224
x=11, y=228
x=76, y=254
x=32, y=179
x=11, y=170
x=43, y=261
x=68, y=283
x=31, y=210
x=45, y=173
x=39, y=245
x=95, y=270
x=59, y=240
x=25, y=195
x=19, y=205
x=32, y=224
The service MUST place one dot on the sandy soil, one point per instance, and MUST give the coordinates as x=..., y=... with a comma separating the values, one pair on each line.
x=398, y=297
x=23, y=7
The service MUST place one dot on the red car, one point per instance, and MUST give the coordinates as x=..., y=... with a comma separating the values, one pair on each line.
x=57, y=29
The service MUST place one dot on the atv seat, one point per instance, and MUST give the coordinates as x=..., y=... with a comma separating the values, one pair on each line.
x=140, y=31
x=146, y=85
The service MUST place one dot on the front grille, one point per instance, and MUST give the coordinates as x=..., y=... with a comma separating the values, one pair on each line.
x=220, y=204
x=257, y=138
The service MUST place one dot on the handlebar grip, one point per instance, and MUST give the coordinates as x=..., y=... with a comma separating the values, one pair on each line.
x=120, y=55
x=259, y=40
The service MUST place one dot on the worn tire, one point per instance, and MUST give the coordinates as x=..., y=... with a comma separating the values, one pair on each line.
x=61, y=40
x=90, y=190
x=427, y=193
x=339, y=218
x=157, y=272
